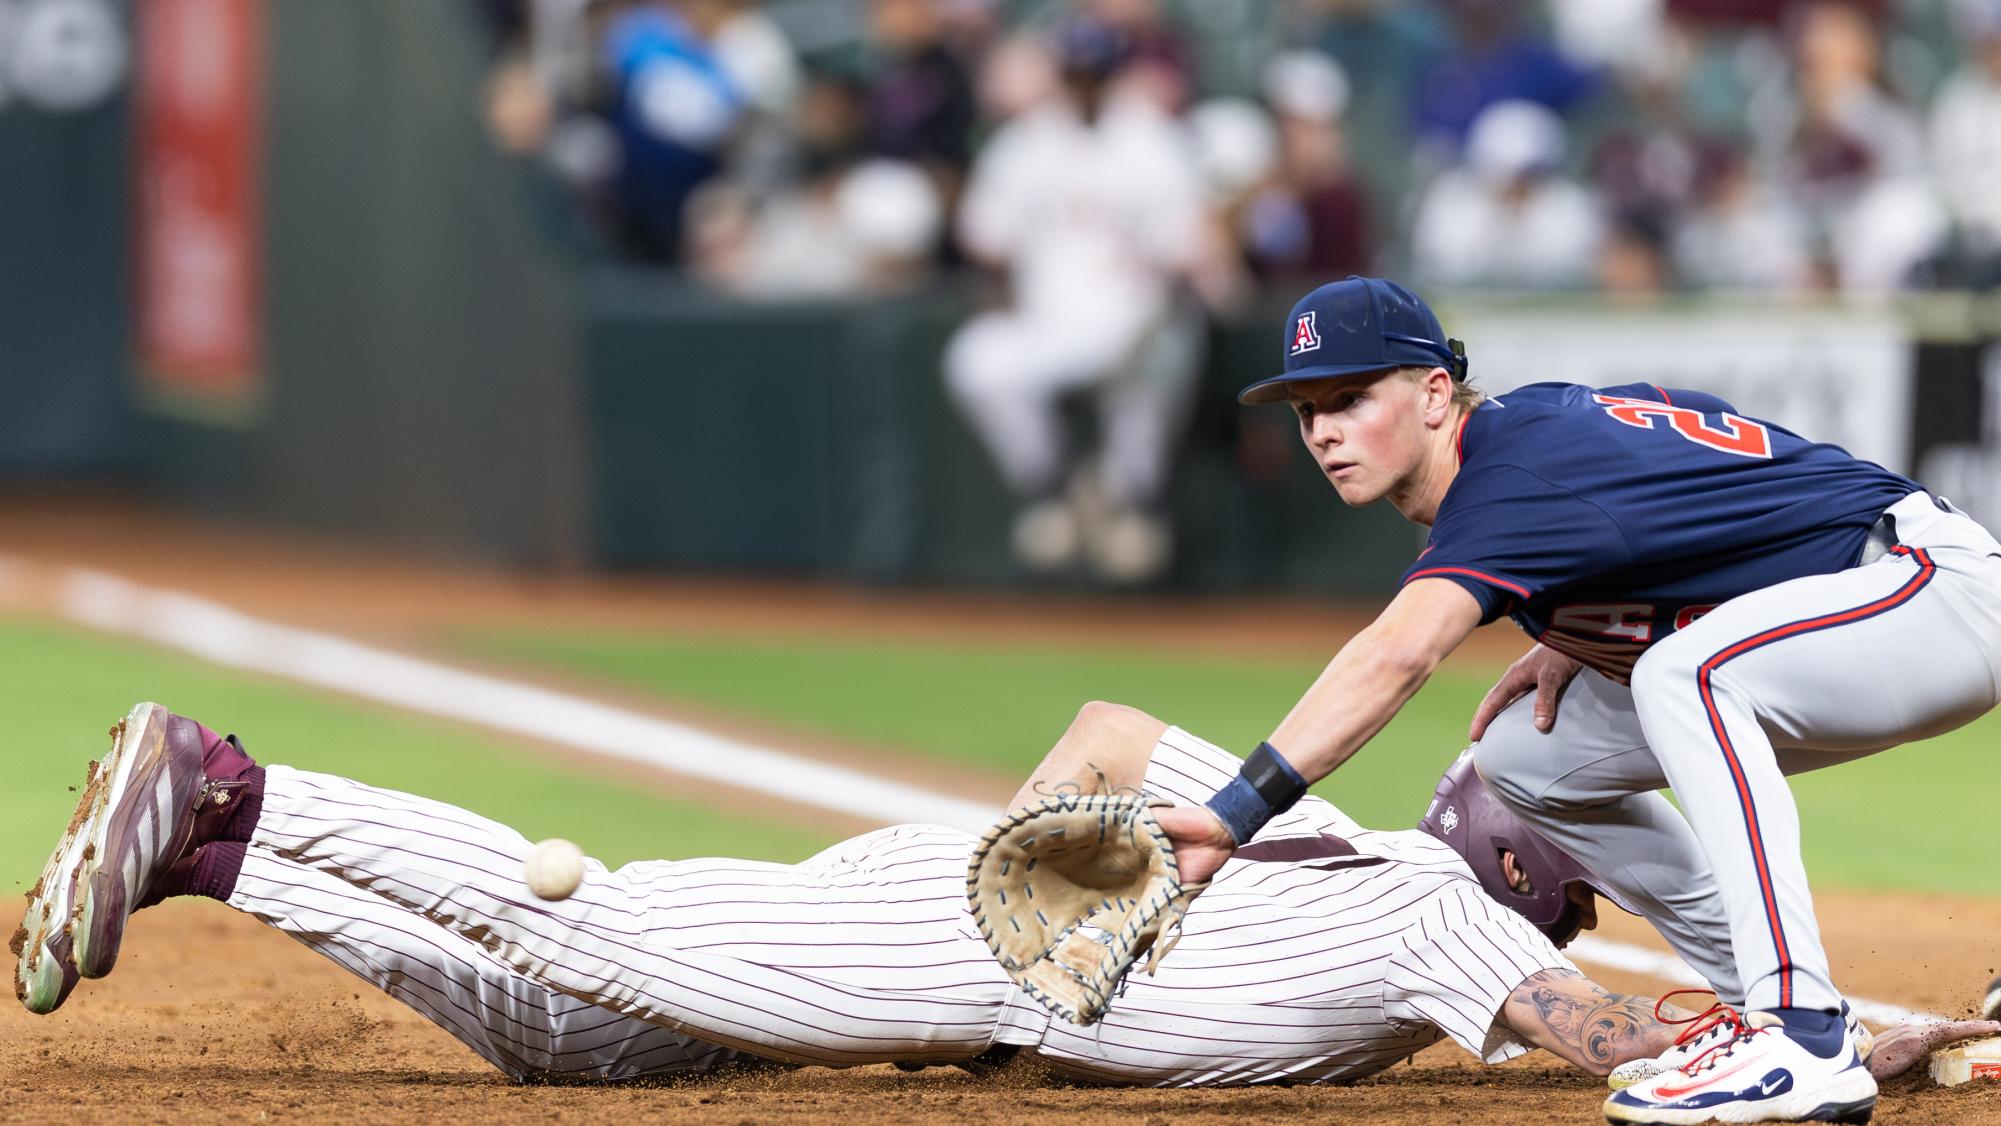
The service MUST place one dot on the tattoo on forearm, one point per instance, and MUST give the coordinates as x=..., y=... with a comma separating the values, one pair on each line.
x=1606, y=1028
x=1091, y=780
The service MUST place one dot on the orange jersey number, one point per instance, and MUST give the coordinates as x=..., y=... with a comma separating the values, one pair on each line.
x=1737, y=435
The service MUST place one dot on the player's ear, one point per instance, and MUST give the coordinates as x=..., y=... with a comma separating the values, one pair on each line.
x=1437, y=397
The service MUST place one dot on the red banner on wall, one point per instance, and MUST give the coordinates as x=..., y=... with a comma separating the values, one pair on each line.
x=199, y=172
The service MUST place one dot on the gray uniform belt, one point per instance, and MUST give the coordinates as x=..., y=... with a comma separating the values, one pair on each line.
x=1883, y=536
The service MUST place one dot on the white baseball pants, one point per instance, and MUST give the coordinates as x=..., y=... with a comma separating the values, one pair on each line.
x=660, y=966
x=1794, y=677
x=1007, y=371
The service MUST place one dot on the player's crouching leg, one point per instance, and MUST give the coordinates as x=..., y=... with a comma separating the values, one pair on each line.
x=1587, y=787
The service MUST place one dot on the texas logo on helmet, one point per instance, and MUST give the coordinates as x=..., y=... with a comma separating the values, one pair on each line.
x=1305, y=333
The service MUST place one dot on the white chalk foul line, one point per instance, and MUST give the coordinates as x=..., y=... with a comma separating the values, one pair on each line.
x=1669, y=967
x=228, y=637
x=225, y=636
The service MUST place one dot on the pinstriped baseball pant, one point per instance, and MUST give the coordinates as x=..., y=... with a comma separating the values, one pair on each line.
x=525, y=1029
x=1305, y=969
x=427, y=901
x=1798, y=676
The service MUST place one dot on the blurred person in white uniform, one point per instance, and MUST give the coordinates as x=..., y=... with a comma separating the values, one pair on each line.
x=1854, y=155
x=1506, y=216
x=751, y=49
x=1965, y=135
x=1090, y=203
x=1741, y=233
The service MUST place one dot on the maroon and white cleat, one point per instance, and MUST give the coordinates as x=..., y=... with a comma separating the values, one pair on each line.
x=170, y=786
x=44, y=968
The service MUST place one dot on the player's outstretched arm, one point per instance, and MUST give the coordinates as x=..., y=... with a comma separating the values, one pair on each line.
x=1359, y=691
x=1904, y=1046
x=1564, y=1012
x=1374, y=675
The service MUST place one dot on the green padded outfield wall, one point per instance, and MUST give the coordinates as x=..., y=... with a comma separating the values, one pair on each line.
x=421, y=334
x=63, y=226
x=445, y=370
x=817, y=439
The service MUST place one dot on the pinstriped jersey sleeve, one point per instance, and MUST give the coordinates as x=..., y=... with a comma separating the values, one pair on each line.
x=1458, y=963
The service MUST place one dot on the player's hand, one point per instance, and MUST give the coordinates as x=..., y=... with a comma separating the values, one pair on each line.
x=1903, y=1047
x=1201, y=844
x=1541, y=670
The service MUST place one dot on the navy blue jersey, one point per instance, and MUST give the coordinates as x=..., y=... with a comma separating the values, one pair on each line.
x=1602, y=520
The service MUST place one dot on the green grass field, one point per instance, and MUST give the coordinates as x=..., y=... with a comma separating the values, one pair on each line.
x=64, y=688
x=1898, y=820
x=1901, y=819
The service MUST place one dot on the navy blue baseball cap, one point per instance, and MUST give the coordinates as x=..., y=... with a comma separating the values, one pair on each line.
x=1358, y=325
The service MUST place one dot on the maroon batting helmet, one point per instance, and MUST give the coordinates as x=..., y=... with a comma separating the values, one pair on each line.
x=1466, y=815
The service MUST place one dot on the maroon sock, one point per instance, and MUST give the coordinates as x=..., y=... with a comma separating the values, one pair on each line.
x=240, y=822
x=216, y=868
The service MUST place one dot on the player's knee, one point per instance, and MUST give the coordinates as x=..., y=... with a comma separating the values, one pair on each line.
x=1535, y=794
x=975, y=362
x=1515, y=771
x=961, y=373
x=1665, y=671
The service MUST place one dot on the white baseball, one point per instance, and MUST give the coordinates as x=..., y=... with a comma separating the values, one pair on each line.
x=554, y=868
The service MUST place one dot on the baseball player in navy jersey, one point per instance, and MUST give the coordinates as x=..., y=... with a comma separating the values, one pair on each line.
x=1725, y=601
x=1325, y=951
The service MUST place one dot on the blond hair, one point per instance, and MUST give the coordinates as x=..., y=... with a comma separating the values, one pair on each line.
x=1465, y=396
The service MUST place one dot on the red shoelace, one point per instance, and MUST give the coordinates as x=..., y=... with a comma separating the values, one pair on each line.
x=1717, y=1015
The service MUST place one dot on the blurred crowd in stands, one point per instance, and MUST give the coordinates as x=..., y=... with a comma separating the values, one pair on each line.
x=801, y=148
x=1126, y=165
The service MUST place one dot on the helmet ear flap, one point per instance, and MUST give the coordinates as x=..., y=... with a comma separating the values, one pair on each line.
x=1467, y=817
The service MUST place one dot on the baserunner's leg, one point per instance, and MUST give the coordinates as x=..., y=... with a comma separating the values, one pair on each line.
x=521, y=1026
x=866, y=953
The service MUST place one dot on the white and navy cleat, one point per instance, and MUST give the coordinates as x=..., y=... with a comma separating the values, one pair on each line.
x=1759, y=1075
x=1709, y=1029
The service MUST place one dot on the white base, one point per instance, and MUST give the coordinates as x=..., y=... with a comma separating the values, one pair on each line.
x=1976, y=1059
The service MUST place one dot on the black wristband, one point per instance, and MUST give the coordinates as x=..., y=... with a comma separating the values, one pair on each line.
x=1266, y=787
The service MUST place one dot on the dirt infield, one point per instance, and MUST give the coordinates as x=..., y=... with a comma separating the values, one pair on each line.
x=212, y=1017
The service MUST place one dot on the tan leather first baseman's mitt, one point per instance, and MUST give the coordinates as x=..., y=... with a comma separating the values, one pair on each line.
x=1071, y=891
